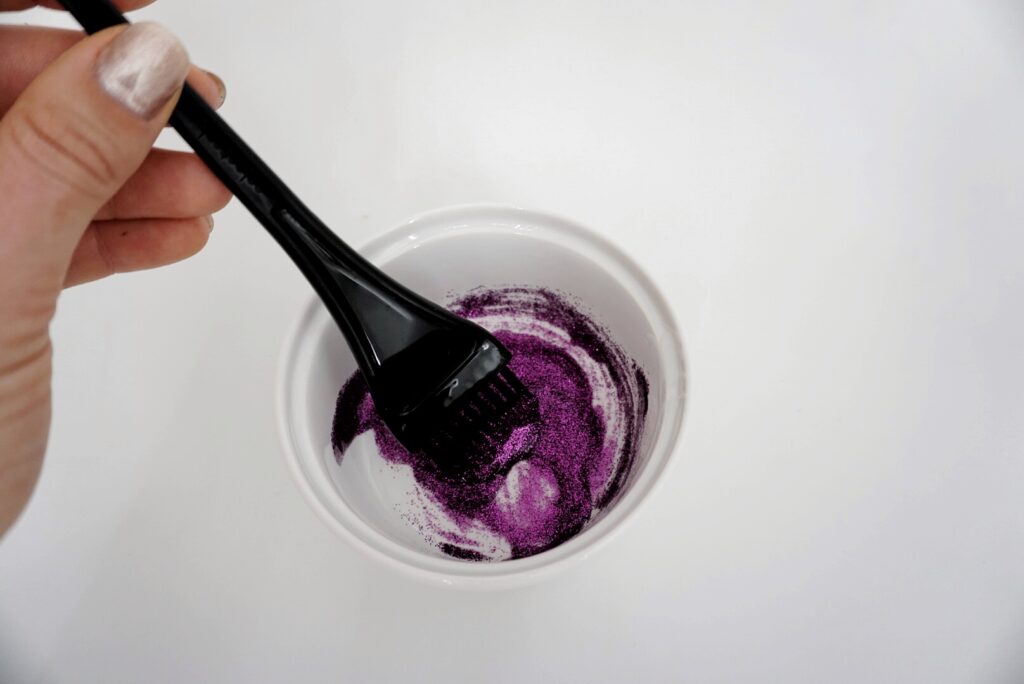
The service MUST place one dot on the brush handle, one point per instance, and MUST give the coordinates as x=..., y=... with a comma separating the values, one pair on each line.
x=378, y=316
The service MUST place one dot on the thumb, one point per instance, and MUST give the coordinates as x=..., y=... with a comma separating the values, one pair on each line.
x=72, y=138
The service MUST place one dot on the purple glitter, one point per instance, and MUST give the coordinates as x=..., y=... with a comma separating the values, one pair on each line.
x=550, y=477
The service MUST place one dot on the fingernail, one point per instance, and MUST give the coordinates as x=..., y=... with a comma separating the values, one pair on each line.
x=222, y=90
x=142, y=68
x=209, y=223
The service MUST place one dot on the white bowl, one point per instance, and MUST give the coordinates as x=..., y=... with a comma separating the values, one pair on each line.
x=453, y=251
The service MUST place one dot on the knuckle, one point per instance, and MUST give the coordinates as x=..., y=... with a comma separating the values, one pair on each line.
x=66, y=148
x=20, y=366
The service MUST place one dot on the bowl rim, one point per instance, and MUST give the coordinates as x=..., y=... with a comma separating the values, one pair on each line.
x=517, y=572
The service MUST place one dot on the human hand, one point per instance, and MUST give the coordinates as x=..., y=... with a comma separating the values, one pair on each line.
x=82, y=196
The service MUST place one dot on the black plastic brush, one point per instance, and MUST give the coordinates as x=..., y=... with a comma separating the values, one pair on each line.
x=440, y=383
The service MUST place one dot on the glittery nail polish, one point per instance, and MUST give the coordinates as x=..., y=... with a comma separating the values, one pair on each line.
x=142, y=68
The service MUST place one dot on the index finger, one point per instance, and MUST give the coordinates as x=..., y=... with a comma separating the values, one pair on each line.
x=14, y=5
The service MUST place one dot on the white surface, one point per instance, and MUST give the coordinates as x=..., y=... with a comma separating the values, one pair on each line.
x=379, y=507
x=841, y=184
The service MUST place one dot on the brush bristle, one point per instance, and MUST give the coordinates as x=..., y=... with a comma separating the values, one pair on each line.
x=463, y=445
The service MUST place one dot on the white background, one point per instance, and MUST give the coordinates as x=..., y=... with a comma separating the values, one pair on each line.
x=841, y=187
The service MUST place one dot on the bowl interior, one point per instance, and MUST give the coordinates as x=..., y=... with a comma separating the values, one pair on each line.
x=444, y=254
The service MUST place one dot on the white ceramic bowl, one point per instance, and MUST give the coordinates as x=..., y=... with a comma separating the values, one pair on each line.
x=452, y=251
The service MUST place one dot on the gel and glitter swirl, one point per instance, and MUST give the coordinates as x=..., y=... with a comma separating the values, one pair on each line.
x=559, y=473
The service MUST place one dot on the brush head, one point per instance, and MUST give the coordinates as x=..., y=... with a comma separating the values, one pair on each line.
x=487, y=432
x=476, y=422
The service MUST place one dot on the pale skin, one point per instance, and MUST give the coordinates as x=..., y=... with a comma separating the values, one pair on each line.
x=83, y=195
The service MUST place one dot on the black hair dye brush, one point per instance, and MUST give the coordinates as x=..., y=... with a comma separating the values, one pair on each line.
x=440, y=383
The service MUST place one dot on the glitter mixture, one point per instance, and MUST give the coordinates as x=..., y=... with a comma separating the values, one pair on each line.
x=557, y=474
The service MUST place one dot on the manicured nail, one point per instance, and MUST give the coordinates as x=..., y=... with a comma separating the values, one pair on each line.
x=143, y=68
x=209, y=223
x=222, y=90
